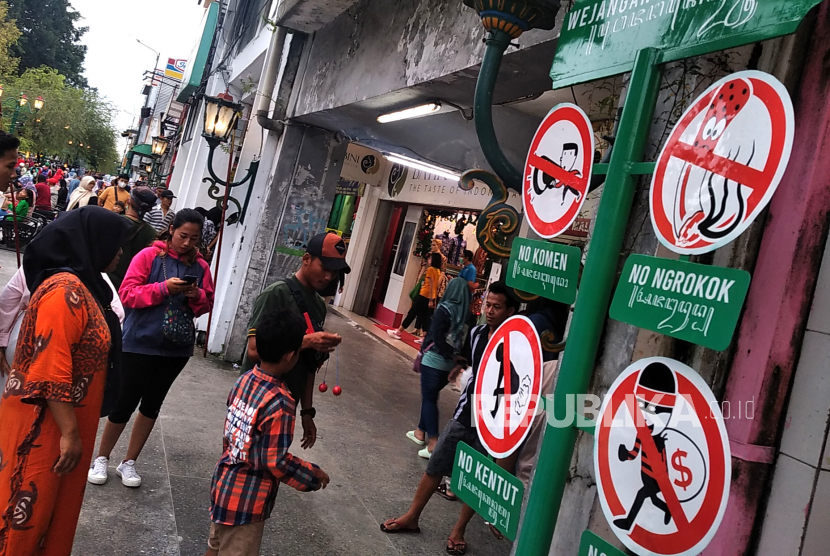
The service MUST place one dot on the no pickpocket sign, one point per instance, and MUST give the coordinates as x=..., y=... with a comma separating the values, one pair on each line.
x=508, y=385
x=558, y=170
x=662, y=459
x=722, y=163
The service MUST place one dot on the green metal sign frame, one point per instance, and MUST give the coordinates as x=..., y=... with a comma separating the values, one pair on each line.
x=599, y=36
x=650, y=48
x=544, y=268
x=693, y=302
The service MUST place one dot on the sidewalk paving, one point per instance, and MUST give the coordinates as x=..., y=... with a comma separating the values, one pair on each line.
x=361, y=444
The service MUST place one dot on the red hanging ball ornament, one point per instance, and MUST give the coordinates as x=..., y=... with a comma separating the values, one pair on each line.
x=323, y=387
x=337, y=390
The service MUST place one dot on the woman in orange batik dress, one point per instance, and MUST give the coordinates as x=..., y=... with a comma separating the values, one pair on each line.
x=53, y=397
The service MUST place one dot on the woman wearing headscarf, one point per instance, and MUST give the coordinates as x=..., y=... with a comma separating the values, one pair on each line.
x=83, y=195
x=69, y=339
x=440, y=347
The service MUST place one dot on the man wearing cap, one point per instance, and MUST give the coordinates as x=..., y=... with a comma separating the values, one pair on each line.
x=136, y=204
x=325, y=257
x=114, y=193
x=161, y=216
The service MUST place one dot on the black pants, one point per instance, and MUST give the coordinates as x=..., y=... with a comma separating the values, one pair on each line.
x=145, y=379
x=420, y=313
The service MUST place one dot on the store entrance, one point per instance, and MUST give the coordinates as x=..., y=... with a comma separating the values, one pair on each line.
x=390, y=247
x=409, y=238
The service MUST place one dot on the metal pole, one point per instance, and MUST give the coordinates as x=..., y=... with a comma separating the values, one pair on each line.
x=497, y=42
x=14, y=224
x=221, y=233
x=551, y=474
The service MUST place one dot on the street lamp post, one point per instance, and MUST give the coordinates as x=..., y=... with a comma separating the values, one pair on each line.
x=154, y=173
x=20, y=115
x=221, y=116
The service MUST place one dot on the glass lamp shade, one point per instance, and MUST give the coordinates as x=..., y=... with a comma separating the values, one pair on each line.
x=1, y=90
x=159, y=146
x=221, y=114
x=38, y=104
x=23, y=100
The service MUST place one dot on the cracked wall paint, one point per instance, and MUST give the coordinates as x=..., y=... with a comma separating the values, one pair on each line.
x=386, y=45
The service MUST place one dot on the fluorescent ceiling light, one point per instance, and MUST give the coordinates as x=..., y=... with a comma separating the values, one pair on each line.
x=414, y=112
x=418, y=165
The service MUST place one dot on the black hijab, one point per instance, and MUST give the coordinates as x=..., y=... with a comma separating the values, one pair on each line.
x=83, y=242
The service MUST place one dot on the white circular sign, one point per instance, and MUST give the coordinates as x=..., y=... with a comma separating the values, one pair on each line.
x=662, y=459
x=507, y=386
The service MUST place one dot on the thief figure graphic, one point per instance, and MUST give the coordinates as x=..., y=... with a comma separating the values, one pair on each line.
x=498, y=393
x=567, y=161
x=655, y=392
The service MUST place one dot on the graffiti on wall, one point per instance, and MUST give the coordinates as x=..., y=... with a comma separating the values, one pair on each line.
x=304, y=218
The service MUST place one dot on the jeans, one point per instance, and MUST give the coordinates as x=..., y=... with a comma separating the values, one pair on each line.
x=432, y=382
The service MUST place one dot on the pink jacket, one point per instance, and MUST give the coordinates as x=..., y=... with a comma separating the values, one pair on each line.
x=137, y=293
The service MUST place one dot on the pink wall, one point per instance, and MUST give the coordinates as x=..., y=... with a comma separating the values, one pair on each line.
x=779, y=299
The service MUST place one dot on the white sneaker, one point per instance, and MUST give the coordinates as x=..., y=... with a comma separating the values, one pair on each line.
x=394, y=333
x=98, y=472
x=129, y=477
x=425, y=453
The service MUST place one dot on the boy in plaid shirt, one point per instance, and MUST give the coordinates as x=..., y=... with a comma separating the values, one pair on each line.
x=259, y=429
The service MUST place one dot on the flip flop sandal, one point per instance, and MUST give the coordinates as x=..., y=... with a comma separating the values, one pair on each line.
x=456, y=548
x=399, y=530
x=444, y=492
x=411, y=436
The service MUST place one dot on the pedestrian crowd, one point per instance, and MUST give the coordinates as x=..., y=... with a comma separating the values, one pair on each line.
x=99, y=322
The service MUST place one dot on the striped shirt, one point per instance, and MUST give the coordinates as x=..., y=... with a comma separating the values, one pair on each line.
x=157, y=220
x=473, y=351
x=259, y=429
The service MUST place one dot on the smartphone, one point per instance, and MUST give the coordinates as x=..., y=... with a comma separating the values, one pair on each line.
x=190, y=278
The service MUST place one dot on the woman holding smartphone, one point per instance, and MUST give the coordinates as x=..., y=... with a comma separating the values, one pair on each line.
x=167, y=285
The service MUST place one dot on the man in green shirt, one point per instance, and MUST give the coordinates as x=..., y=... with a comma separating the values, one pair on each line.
x=325, y=256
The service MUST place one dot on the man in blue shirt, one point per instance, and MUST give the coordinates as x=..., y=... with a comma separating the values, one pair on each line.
x=469, y=271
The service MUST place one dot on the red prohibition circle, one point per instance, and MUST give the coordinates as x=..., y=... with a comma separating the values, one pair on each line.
x=570, y=113
x=502, y=447
x=760, y=181
x=688, y=536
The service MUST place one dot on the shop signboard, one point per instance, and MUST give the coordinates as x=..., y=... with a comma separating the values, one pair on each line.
x=600, y=37
x=410, y=185
x=347, y=187
x=592, y=545
x=662, y=459
x=558, y=170
x=722, y=162
x=693, y=302
x=363, y=165
x=544, y=268
x=488, y=489
x=507, y=387
x=580, y=228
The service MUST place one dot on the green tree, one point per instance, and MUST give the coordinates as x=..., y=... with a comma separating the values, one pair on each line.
x=49, y=37
x=9, y=34
x=75, y=124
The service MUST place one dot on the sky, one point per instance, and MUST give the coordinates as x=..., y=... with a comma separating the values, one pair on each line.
x=115, y=62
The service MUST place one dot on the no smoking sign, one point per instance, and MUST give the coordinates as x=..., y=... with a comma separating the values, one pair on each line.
x=662, y=459
x=722, y=163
